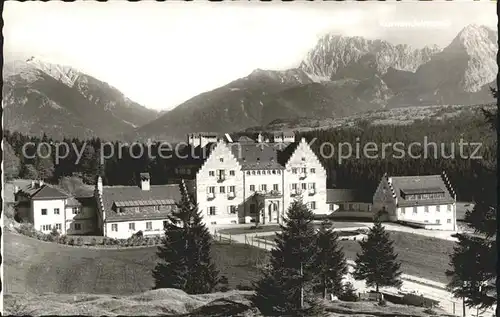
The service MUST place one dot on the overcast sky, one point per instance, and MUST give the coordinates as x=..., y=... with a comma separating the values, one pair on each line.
x=161, y=54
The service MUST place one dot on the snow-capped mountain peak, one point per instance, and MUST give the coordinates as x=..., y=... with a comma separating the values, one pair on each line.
x=65, y=74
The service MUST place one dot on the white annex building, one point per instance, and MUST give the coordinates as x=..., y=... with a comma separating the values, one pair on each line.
x=422, y=201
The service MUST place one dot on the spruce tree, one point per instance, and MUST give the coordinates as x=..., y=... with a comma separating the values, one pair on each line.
x=287, y=285
x=377, y=263
x=185, y=260
x=474, y=260
x=330, y=265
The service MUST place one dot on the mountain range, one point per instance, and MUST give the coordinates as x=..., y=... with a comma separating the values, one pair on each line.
x=339, y=77
x=40, y=97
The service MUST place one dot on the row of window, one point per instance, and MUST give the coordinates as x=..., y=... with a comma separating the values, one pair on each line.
x=424, y=196
x=302, y=170
x=212, y=210
x=75, y=211
x=131, y=226
x=303, y=186
x=426, y=209
x=222, y=189
x=138, y=209
x=350, y=207
x=264, y=172
x=439, y=221
x=263, y=187
x=58, y=226
x=221, y=173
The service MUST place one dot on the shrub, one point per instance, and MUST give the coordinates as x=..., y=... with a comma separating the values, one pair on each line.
x=71, y=241
x=54, y=232
x=93, y=241
x=348, y=293
x=26, y=229
x=138, y=234
x=430, y=311
x=243, y=287
x=49, y=238
x=79, y=241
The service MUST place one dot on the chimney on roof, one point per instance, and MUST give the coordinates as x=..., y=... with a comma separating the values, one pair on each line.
x=145, y=181
x=33, y=183
x=16, y=189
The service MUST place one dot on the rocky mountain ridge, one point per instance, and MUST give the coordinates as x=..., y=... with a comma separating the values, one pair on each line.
x=41, y=97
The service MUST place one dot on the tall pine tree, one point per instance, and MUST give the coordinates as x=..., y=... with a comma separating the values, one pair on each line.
x=287, y=285
x=474, y=261
x=185, y=260
x=330, y=263
x=377, y=263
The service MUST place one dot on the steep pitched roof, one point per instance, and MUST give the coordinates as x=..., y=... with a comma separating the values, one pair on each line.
x=342, y=195
x=256, y=156
x=421, y=185
x=44, y=192
x=285, y=153
x=113, y=194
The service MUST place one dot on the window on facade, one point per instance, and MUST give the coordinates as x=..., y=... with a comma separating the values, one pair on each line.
x=304, y=186
x=232, y=189
x=248, y=172
x=274, y=172
x=279, y=172
x=448, y=220
x=313, y=170
x=149, y=225
x=75, y=210
x=131, y=226
x=438, y=208
x=44, y=212
x=211, y=189
x=332, y=206
x=46, y=227
x=253, y=172
x=402, y=211
x=414, y=210
x=221, y=160
x=211, y=173
x=222, y=189
x=156, y=208
x=426, y=209
x=58, y=226
x=438, y=221
x=231, y=173
x=448, y=208
x=263, y=187
x=252, y=188
x=275, y=187
x=165, y=224
x=294, y=186
x=312, y=185
x=56, y=211
x=211, y=210
x=258, y=172
x=294, y=171
x=312, y=205
x=78, y=226
x=232, y=209
x=303, y=170
x=351, y=207
x=114, y=227
x=426, y=221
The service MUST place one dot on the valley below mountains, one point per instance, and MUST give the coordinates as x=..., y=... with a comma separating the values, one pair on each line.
x=339, y=77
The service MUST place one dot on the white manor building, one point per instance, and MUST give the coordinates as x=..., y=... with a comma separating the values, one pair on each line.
x=245, y=182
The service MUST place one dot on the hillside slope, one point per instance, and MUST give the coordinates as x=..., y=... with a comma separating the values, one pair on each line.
x=40, y=97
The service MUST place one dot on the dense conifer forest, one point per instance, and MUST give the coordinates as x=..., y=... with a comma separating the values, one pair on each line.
x=356, y=171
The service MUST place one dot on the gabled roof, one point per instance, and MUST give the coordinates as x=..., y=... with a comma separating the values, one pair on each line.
x=285, y=154
x=117, y=194
x=44, y=192
x=343, y=195
x=256, y=156
x=420, y=185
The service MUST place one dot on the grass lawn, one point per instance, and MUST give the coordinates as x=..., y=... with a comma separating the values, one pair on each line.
x=419, y=255
x=39, y=267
